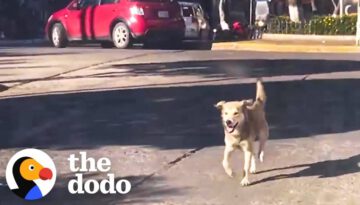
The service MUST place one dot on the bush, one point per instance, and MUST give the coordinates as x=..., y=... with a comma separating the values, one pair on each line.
x=320, y=25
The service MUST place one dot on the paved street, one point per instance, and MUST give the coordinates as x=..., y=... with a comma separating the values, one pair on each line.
x=151, y=112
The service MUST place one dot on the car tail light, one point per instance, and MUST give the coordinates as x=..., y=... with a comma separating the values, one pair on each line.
x=137, y=11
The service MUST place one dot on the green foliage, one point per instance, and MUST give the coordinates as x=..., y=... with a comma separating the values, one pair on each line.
x=320, y=25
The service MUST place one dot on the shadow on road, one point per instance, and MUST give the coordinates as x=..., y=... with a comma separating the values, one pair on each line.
x=25, y=54
x=237, y=68
x=176, y=117
x=324, y=169
x=152, y=191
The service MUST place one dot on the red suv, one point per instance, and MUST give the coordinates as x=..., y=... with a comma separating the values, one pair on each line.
x=116, y=22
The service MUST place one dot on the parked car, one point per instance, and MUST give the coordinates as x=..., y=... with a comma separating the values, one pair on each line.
x=238, y=30
x=196, y=21
x=116, y=22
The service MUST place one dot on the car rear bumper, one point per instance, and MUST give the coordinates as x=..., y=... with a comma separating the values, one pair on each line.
x=142, y=28
x=161, y=34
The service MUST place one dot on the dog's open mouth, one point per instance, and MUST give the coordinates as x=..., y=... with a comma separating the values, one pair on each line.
x=231, y=128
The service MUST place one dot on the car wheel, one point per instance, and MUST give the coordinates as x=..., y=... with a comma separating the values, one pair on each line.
x=58, y=36
x=107, y=44
x=121, y=35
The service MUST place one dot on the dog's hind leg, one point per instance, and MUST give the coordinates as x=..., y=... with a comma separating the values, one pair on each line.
x=253, y=164
x=263, y=136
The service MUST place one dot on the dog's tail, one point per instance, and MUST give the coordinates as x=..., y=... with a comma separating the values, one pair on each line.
x=260, y=92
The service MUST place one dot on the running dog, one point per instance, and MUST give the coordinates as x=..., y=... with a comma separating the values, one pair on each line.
x=243, y=122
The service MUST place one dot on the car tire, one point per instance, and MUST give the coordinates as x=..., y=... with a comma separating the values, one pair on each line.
x=58, y=36
x=121, y=36
x=107, y=44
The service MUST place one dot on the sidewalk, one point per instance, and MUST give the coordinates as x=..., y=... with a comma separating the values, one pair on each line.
x=294, y=43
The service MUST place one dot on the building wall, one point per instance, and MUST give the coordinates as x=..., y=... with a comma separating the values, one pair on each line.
x=20, y=19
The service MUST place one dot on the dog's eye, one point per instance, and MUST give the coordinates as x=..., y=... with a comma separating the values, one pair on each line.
x=225, y=113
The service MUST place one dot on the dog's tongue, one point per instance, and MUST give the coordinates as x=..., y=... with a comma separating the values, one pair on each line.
x=231, y=126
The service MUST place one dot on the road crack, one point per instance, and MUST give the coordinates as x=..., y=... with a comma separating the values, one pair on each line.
x=168, y=166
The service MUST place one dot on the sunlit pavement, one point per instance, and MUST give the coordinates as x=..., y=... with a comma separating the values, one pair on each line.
x=151, y=112
x=285, y=46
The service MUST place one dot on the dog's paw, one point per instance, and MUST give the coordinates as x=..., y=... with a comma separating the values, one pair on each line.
x=253, y=170
x=230, y=173
x=228, y=169
x=261, y=156
x=245, y=182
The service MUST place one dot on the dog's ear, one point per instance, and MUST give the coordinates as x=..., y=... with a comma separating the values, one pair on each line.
x=249, y=104
x=245, y=104
x=219, y=105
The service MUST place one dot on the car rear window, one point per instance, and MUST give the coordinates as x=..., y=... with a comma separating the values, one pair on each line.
x=187, y=11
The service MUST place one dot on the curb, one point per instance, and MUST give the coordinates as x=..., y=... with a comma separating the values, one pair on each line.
x=292, y=37
x=283, y=46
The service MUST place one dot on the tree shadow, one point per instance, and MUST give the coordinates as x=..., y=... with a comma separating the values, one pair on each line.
x=3, y=87
x=83, y=24
x=219, y=70
x=237, y=68
x=173, y=117
x=323, y=169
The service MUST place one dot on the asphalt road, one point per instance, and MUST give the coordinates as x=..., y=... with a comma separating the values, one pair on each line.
x=151, y=112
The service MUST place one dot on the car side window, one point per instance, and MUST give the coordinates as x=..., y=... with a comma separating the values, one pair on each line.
x=109, y=2
x=187, y=11
x=87, y=3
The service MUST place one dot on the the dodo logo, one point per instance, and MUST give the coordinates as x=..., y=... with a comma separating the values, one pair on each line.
x=31, y=174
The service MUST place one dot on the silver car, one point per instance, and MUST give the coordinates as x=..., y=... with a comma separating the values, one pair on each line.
x=196, y=23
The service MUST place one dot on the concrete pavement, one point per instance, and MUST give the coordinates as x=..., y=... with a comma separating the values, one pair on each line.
x=49, y=70
x=152, y=113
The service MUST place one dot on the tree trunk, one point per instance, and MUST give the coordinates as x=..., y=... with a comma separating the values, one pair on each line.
x=222, y=15
x=313, y=6
x=293, y=11
x=336, y=8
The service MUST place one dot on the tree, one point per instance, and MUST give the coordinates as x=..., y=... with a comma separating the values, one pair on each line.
x=336, y=7
x=223, y=14
x=294, y=10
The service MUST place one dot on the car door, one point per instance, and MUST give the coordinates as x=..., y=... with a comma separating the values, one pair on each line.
x=72, y=21
x=188, y=16
x=80, y=20
x=103, y=17
x=88, y=18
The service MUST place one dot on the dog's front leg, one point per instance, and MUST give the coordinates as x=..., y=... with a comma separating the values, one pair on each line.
x=226, y=161
x=247, y=148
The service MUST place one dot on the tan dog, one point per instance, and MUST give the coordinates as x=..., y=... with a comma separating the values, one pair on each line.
x=243, y=121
